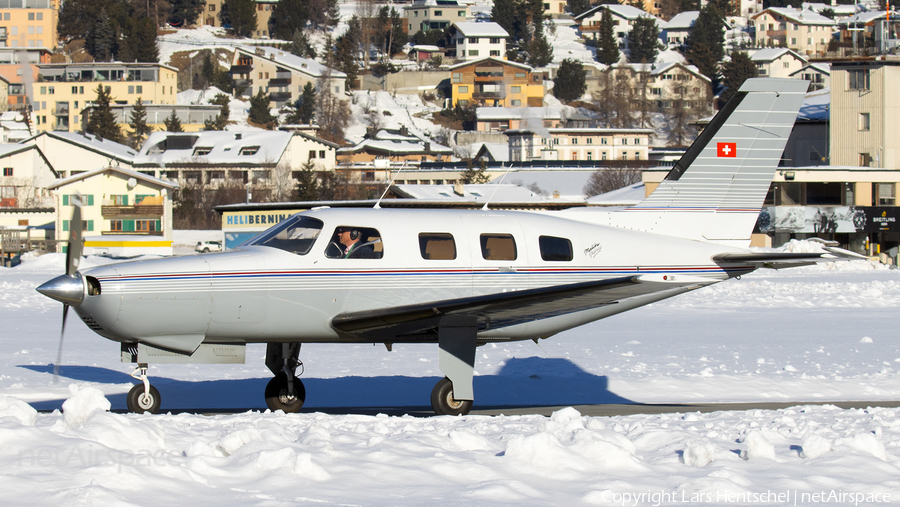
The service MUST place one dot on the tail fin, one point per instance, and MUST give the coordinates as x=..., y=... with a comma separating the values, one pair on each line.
x=715, y=192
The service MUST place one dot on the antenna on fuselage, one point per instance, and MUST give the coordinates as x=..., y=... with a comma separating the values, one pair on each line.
x=378, y=204
x=485, y=207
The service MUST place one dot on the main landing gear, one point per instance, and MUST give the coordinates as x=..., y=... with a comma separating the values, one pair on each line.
x=443, y=402
x=142, y=398
x=285, y=391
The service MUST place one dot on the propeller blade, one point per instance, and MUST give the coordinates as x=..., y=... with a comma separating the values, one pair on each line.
x=76, y=240
x=62, y=334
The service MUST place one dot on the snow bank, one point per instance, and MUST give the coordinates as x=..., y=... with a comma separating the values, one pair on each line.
x=18, y=410
x=83, y=403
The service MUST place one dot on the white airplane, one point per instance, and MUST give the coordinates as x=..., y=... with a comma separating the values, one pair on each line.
x=456, y=278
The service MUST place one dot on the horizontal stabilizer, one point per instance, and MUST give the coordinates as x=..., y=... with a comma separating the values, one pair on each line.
x=777, y=260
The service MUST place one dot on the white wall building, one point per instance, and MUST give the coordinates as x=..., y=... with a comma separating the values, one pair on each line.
x=474, y=41
x=777, y=62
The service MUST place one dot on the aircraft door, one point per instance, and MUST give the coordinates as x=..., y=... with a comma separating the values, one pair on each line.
x=241, y=287
x=499, y=254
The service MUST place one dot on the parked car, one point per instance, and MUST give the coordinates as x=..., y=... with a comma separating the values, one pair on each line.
x=208, y=246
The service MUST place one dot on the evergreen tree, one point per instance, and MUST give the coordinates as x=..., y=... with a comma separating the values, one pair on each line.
x=172, y=123
x=643, y=41
x=259, y=111
x=101, y=121
x=287, y=17
x=504, y=14
x=304, y=108
x=323, y=13
x=539, y=51
x=473, y=176
x=241, y=15
x=576, y=7
x=184, y=12
x=139, y=42
x=735, y=72
x=301, y=46
x=607, y=47
x=706, y=41
x=569, y=83
x=307, y=183
x=390, y=31
x=221, y=119
x=139, y=128
x=207, y=70
x=101, y=41
x=345, y=56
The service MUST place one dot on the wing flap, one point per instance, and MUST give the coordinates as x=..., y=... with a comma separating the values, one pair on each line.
x=495, y=310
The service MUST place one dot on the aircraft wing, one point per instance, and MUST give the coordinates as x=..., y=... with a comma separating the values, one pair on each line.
x=496, y=310
x=778, y=260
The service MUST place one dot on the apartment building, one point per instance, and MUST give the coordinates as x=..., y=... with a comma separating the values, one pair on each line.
x=63, y=90
x=777, y=62
x=495, y=82
x=474, y=41
x=662, y=84
x=264, y=8
x=280, y=74
x=427, y=15
x=587, y=144
x=803, y=31
x=29, y=23
x=865, y=113
x=623, y=17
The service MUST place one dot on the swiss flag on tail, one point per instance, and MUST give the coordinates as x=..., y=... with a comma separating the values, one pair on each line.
x=726, y=150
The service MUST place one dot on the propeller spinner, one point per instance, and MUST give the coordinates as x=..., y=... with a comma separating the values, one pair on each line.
x=68, y=288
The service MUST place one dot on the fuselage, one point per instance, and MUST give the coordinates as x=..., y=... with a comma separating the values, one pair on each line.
x=290, y=289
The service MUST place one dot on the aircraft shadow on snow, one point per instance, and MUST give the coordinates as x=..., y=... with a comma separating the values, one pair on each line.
x=521, y=382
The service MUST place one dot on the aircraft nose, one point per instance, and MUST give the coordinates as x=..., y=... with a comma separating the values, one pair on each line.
x=68, y=289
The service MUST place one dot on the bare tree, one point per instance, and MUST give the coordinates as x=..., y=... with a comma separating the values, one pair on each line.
x=332, y=114
x=282, y=183
x=367, y=12
x=607, y=180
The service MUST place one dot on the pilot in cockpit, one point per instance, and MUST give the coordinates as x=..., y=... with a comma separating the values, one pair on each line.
x=347, y=244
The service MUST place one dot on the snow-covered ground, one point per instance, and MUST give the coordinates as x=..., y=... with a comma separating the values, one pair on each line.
x=817, y=333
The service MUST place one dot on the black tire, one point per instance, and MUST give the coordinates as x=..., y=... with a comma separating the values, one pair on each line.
x=442, y=400
x=206, y=250
x=139, y=404
x=278, y=398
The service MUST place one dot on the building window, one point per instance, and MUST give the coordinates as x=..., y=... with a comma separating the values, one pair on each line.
x=438, y=13
x=473, y=40
x=865, y=160
x=321, y=153
x=515, y=103
x=130, y=89
x=7, y=171
x=473, y=52
x=520, y=74
x=516, y=89
x=574, y=140
x=864, y=121
x=140, y=89
x=312, y=154
x=886, y=194
x=457, y=77
x=461, y=14
x=212, y=7
x=859, y=79
x=787, y=65
x=115, y=225
x=463, y=89
x=495, y=52
x=30, y=16
x=495, y=40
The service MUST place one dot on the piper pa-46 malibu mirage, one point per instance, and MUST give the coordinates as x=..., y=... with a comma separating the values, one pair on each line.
x=456, y=278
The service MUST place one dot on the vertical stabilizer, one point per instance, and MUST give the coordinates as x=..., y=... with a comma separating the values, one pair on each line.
x=715, y=192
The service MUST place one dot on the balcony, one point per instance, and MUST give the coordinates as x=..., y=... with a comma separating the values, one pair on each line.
x=2, y=33
x=487, y=95
x=244, y=83
x=280, y=96
x=60, y=111
x=140, y=210
x=241, y=69
x=279, y=82
x=132, y=233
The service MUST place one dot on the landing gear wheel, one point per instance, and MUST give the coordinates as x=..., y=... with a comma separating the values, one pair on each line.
x=442, y=400
x=278, y=397
x=140, y=403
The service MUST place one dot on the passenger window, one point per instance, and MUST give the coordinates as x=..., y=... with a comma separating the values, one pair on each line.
x=555, y=249
x=498, y=247
x=352, y=242
x=437, y=246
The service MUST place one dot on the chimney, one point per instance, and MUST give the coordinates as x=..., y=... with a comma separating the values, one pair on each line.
x=556, y=194
x=260, y=51
x=427, y=147
x=459, y=188
x=404, y=131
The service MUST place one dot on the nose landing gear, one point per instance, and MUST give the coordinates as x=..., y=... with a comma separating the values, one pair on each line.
x=285, y=391
x=142, y=398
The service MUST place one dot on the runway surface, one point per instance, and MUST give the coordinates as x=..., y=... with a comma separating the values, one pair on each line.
x=600, y=410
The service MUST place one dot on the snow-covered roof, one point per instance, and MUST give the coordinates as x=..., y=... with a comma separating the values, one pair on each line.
x=797, y=16
x=473, y=29
x=90, y=142
x=824, y=68
x=772, y=54
x=517, y=113
x=498, y=152
x=815, y=106
x=839, y=9
x=213, y=148
x=491, y=59
x=569, y=184
x=472, y=192
x=864, y=17
x=625, y=196
x=426, y=48
x=423, y=3
x=621, y=11
x=398, y=147
x=291, y=61
x=13, y=148
x=681, y=21
x=130, y=173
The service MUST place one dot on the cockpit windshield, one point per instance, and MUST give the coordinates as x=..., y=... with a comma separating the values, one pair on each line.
x=296, y=235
